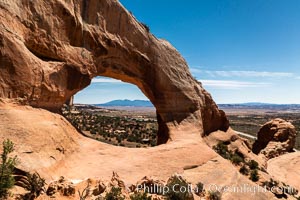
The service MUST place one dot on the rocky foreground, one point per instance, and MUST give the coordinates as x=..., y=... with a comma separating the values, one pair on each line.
x=47, y=143
x=49, y=50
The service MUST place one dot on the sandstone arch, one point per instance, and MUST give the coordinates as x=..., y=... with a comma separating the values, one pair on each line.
x=49, y=50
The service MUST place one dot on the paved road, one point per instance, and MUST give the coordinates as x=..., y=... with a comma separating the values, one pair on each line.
x=246, y=135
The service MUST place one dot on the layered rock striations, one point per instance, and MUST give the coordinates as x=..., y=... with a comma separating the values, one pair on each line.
x=49, y=50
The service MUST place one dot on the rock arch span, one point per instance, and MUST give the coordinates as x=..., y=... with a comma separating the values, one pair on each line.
x=49, y=50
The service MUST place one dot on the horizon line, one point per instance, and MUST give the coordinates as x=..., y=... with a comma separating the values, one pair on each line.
x=254, y=102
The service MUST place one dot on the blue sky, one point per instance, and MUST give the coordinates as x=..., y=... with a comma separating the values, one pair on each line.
x=241, y=50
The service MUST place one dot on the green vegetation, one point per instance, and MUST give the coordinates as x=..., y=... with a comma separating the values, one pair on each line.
x=179, y=189
x=251, y=123
x=271, y=183
x=286, y=189
x=254, y=175
x=114, y=194
x=34, y=184
x=244, y=170
x=290, y=190
x=6, y=168
x=214, y=195
x=140, y=196
x=253, y=164
x=105, y=126
x=222, y=149
x=235, y=157
x=199, y=188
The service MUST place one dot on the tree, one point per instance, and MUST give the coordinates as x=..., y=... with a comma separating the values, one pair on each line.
x=114, y=194
x=244, y=170
x=6, y=168
x=222, y=149
x=35, y=184
x=253, y=164
x=214, y=195
x=140, y=196
x=254, y=175
x=199, y=188
x=178, y=189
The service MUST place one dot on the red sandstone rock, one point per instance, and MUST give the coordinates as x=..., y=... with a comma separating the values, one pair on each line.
x=276, y=137
x=49, y=50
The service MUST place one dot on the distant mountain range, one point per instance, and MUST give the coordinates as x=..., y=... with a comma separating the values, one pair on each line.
x=146, y=103
x=259, y=105
x=126, y=102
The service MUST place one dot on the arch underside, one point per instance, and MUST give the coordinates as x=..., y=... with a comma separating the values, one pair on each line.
x=55, y=48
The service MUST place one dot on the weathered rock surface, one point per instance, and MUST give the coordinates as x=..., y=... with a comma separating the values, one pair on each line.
x=62, y=187
x=39, y=134
x=276, y=137
x=286, y=168
x=49, y=50
x=47, y=143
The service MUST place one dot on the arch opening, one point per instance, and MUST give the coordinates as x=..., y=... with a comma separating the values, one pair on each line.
x=49, y=69
x=114, y=112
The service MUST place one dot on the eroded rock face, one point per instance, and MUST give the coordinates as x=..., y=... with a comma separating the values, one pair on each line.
x=49, y=50
x=62, y=187
x=276, y=137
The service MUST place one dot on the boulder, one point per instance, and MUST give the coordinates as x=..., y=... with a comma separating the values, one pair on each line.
x=99, y=188
x=62, y=187
x=117, y=182
x=276, y=137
